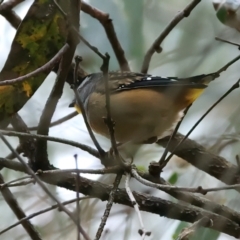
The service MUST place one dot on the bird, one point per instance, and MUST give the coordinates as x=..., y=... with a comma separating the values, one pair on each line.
x=144, y=108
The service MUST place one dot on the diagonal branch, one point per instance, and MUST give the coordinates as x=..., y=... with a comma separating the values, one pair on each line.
x=202, y=159
x=106, y=22
x=84, y=147
x=156, y=46
x=7, y=12
x=13, y=204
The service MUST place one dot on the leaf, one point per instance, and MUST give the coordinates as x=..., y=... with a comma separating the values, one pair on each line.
x=173, y=179
x=222, y=15
x=205, y=233
x=228, y=13
x=199, y=234
x=40, y=36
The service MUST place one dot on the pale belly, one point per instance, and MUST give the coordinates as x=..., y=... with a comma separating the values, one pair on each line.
x=137, y=117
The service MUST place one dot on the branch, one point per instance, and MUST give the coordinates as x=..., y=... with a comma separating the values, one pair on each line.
x=57, y=122
x=39, y=213
x=197, y=201
x=13, y=204
x=141, y=231
x=7, y=12
x=186, y=197
x=146, y=202
x=101, y=152
x=156, y=46
x=234, y=86
x=46, y=67
x=204, y=160
x=106, y=22
x=27, y=145
x=83, y=147
x=108, y=206
x=188, y=232
x=41, y=184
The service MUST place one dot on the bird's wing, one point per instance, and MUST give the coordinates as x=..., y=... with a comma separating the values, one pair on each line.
x=148, y=81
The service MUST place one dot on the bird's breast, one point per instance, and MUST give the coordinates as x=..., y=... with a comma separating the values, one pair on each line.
x=138, y=114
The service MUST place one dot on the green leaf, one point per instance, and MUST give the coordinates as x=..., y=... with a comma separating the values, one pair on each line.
x=200, y=234
x=205, y=233
x=173, y=179
x=41, y=34
x=222, y=14
x=179, y=228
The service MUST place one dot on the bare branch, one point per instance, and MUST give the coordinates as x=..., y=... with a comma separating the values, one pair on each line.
x=57, y=122
x=7, y=12
x=108, y=206
x=156, y=46
x=41, y=184
x=41, y=212
x=13, y=204
x=234, y=86
x=46, y=67
x=84, y=114
x=53, y=139
x=146, y=202
x=188, y=232
x=106, y=22
x=204, y=160
x=142, y=231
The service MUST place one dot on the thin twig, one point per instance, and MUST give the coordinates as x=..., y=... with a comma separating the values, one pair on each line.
x=225, y=67
x=41, y=184
x=181, y=189
x=22, y=183
x=53, y=139
x=109, y=121
x=189, y=231
x=57, y=122
x=46, y=67
x=108, y=170
x=108, y=206
x=60, y=9
x=156, y=46
x=77, y=195
x=93, y=48
x=41, y=212
x=162, y=186
x=235, y=86
x=141, y=231
x=197, y=201
x=80, y=104
x=13, y=181
x=164, y=155
x=212, y=164
x=13, y=204
x=106, y=22
x=226, y=41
